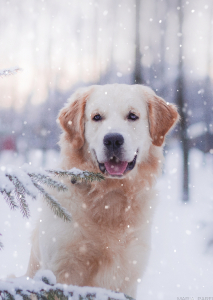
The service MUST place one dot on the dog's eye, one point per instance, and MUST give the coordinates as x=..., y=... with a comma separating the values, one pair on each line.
x=97, y=118
x=132, y=117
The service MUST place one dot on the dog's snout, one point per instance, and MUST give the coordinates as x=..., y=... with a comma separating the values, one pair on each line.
x=113, y=141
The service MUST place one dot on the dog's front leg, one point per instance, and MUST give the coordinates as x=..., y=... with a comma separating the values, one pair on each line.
x=34, y=262
x=78, y=263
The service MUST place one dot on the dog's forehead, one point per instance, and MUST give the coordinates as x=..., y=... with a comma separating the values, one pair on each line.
x=116, y=97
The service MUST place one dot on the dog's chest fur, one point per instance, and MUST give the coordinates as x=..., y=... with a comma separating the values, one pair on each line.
x=109, y=234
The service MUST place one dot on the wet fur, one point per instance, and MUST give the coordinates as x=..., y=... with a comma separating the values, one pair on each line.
x=104, y=247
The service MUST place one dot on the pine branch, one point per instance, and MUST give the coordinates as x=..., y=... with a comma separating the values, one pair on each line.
x=56, y=292
x=24, y=183
x=20, y=193
x=9, y=199
x=53, y=203
x=78, y=175
x=28, y=181
x=44, y=288
x=45, y=179
x=8, y=72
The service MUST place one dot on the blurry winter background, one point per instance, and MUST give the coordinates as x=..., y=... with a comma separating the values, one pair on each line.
x=167, y=44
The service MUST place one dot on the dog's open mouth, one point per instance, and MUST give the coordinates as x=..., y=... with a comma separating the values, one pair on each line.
x=116, y=167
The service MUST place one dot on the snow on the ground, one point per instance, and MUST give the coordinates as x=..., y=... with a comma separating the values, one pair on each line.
x=14, y=229
x=181, y=263
x=37, y=284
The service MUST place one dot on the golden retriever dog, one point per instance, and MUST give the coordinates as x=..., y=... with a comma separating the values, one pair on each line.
x=119, y=130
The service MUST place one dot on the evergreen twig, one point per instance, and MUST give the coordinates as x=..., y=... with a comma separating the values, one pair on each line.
x=52, y=293
x=8, y=72
x=78, y=175
x=20, y=193
x=37, y=289
x=9, y=199
x=53, y=203
x=45, y=179
x=27, y=181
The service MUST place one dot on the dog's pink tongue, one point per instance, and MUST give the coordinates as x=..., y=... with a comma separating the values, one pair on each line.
x=116, y=168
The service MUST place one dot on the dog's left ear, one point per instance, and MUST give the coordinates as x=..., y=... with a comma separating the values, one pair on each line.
x=162, y=116
x=71, y=117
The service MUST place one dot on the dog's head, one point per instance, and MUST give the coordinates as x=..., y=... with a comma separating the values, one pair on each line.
x=117, y=123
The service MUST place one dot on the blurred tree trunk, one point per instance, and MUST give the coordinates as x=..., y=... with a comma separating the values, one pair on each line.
x=181, y=102
x=208, y=85
x=95, y=44
x=209, y=47
x=137, y=75
x=163, y=8
x=114, y=18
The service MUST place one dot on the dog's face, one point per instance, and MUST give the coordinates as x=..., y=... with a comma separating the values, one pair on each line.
x=117, y=128
x=118, y=123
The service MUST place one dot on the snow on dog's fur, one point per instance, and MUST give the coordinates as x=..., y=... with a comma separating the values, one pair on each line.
x=118, y=130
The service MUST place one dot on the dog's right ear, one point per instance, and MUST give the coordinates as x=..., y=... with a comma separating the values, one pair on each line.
x=162, y=116
x=71, y=117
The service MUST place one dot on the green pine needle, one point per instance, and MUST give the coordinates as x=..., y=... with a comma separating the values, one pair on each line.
x=53, y=203
x=45, y=287
x=29, y=183
x=20, y=193
x=51, y=294
x=83, y=176
x=8, y=296
x=48, y=181
x=9, y=199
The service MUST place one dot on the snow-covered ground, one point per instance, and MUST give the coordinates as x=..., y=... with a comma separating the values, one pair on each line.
x=181, y=263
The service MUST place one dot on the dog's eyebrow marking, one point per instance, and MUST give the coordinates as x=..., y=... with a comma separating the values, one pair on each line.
x=133, y=109
x=97, y=111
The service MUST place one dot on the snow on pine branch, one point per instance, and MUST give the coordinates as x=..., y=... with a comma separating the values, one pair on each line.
x=44, y=286
x=78, y=175
x=16, y=183
x=10, y=71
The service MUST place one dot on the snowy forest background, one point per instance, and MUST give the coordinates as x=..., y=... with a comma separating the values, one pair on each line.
x=166, y=44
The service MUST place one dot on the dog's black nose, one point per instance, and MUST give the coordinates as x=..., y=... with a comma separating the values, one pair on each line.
x=113, y=141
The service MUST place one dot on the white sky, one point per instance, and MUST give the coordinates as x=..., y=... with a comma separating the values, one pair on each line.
x=58, y=43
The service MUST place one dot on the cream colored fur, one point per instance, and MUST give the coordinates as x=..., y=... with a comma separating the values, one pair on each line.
x=107, y=243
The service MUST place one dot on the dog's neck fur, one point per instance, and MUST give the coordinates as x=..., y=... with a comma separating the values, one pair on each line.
x=99, y=206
